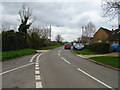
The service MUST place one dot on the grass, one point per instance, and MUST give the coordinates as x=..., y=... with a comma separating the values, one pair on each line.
x=85, y=52
x=109, y=60
x=51, y=47
x=17, y=53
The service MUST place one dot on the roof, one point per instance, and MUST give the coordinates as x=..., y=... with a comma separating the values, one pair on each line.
x=115, y=35
x=106, y=30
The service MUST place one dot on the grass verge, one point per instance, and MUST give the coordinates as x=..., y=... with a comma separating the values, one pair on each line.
x=85, y=52
x=51, y=47
x=109, y=60
x=13, y=54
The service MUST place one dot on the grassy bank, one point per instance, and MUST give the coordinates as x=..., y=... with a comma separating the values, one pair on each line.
x=13, y=54
x=51, y=47
x=85, y=52
x=109, y=60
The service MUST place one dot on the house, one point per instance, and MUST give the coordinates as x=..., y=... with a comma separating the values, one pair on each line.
x=115, y=36
x=101, y=35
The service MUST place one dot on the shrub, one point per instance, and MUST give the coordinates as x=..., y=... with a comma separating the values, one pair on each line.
x=35, y=40
x=13, y=40
x=99, y=47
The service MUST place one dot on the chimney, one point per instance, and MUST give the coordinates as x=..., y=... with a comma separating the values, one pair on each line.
x=112, y=30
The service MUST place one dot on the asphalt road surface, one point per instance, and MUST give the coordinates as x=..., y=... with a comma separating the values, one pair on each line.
x=57, y=68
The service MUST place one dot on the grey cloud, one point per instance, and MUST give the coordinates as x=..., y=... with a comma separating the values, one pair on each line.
x=62, y=14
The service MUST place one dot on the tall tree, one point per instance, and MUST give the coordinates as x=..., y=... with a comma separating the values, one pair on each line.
x=59, y=38
x=89, y=31
x=25, y=18
x=111, y=8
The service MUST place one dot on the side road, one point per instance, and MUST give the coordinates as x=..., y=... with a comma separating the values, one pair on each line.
x=87, y=57
x=109, y=54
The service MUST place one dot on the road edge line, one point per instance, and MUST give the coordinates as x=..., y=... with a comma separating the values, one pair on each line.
x=105, y=65
x=95, y=78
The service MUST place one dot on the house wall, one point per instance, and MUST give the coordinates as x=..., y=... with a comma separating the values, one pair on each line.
x=99, y=36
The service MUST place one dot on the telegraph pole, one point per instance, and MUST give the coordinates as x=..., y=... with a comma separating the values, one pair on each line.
x=82, y=34
x=50, y=32
x=119, y=17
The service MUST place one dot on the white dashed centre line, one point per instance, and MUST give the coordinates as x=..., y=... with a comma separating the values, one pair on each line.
x=65, y=60
x=37, y=65
x=58, y=54
x=38, y=85
x=37, y=73
x=37, y=77
x=37, y=68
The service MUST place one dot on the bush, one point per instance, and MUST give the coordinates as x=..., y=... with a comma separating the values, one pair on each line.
x=99, y=47
x=35, y=41
x=13, y=41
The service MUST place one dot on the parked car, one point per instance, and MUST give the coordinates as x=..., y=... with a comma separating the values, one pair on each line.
x=67, y=46
x=78, y=46
x=116, y=47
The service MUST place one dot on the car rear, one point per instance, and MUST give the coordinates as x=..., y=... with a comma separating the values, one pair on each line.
x=67, y=46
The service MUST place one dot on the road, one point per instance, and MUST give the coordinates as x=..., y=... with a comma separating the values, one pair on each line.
x=57, y=68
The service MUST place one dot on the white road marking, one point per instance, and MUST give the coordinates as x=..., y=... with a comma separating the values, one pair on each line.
x=95, y=78
x=37, y=77
x=37, y=59
x=37, y=72
x=59, y=51
x=65, y=60
x=36, y=68
x=16, y=68
x=58, y=54
x=37, y=65
x=38, y=84
x=31, y=60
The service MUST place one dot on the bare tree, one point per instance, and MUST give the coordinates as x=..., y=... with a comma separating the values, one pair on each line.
x=89, y=31
x=43, y=33
x=25, y=18
x=59, y=38
x=111, y=8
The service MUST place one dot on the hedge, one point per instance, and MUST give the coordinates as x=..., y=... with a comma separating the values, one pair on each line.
x=99, y=47
x=13, y=41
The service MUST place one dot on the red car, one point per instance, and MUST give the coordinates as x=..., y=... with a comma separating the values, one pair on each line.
x=67, y=46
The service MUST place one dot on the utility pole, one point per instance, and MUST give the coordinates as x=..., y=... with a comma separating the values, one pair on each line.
x=50, y=32
x=82, y=34
x=119, y=17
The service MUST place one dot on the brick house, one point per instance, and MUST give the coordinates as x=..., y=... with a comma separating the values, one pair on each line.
x=115, y=37
x=101, y=35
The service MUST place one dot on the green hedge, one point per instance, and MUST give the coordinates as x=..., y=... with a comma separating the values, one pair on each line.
x=13, y=41
x=99, y=47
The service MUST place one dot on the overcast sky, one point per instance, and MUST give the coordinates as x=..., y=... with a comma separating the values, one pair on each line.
x=66, y=18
